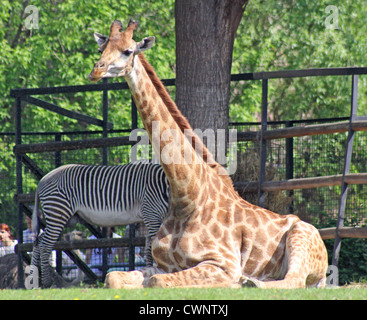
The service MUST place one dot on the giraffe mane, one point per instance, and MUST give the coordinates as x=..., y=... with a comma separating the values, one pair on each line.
x=181, y=120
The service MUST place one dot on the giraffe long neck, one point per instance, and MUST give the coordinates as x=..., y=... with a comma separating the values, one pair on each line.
x=183, y=156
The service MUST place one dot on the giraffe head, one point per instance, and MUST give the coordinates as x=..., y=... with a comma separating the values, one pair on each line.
x=118, y=51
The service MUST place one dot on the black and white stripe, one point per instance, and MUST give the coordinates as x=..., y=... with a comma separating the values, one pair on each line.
x=101, y=195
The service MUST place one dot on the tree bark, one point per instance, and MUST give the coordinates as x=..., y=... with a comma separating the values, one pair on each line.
x=205, y=32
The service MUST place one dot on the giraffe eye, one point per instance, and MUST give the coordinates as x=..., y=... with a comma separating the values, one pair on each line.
x=127, y=52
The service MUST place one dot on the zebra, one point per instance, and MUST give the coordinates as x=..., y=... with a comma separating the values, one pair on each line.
x=102, y=195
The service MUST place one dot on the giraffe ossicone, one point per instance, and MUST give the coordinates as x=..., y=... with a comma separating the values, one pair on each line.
x=211, y=236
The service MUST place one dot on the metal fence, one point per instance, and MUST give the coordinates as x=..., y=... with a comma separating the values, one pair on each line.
x=286, y=152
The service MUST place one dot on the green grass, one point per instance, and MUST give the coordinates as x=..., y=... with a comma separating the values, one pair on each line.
x=344, y=293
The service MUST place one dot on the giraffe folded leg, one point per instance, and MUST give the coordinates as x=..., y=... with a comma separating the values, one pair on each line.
x=307, y=261
x=129, y=279
x=203, y=275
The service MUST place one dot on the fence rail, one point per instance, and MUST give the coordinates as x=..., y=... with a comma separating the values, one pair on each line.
x=262, y=136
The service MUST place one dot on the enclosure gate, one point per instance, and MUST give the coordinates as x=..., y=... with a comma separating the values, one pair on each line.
x=355, y=124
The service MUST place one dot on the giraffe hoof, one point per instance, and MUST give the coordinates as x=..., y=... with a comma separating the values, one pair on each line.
x=247, y=282
x=157, y=282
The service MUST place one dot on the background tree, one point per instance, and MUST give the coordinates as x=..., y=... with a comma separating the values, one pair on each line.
x=205, y=33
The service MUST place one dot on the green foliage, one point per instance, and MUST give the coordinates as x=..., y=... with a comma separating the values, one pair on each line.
x=353, y=260
x=292, y=34
x=62, y=51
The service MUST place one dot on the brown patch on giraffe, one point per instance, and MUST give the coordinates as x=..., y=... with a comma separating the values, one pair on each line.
x=137, y=96
x=174, y=242
x=252, y=221
x=238, y=215
x=193, y=190
x=204, y=236
x=185, y=244
x=224, y=217
x=144, y=103
x=192, y=228
x=216, y=231
x=180, y=175
x=271, y=248
x=227, y=237
x=271, y=230
x=146, y=112
x=207, y=213
x=178, y=257
x=148, y=88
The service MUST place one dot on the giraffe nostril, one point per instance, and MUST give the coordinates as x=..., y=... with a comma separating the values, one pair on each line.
x=99, y=65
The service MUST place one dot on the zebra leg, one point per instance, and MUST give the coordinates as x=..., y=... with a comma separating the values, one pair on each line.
x=148, y=251
x=50, y=236
x=36, y=255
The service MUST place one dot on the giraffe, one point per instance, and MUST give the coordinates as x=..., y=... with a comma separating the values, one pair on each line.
x=211, y=236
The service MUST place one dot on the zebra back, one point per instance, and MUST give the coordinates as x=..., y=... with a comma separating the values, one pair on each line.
x=107, y=188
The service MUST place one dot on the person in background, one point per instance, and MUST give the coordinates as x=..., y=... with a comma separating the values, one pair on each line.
x=28, y=235
x=7, y=242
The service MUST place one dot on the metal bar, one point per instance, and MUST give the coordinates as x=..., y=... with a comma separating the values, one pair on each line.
x=67, y=89
x=299, y=73
x=20, y=92
x=64, y=112
x=32, y=166
x=105, y=122
x=87, y=244
x=131, y=247
x=297, y=184
x=344, y=186
x=105, y=162
x=289, y=163
x=72, y=145
x=310, y=130
x=81, y=265
x=134, y=115
x=58, y=252
x=19, y=180
x=58, y=161
x=264, y=119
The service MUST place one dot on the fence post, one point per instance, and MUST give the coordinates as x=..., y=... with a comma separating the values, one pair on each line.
x=289, y=162
x=132, y=227
x=264, y=125
x=105, y=162
x=134, y=115
x=19, y=172
x=347, y=161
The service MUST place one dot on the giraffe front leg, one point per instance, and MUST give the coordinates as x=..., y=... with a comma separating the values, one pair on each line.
x=203, y=275
x=130, y=279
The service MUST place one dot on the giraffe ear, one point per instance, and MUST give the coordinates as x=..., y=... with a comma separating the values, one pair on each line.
x=144, y=44
x=100, y=38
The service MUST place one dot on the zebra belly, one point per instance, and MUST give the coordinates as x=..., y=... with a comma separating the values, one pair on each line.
x=110, y=218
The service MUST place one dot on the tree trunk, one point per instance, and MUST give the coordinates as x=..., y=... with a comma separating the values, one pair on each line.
x=205, y=32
